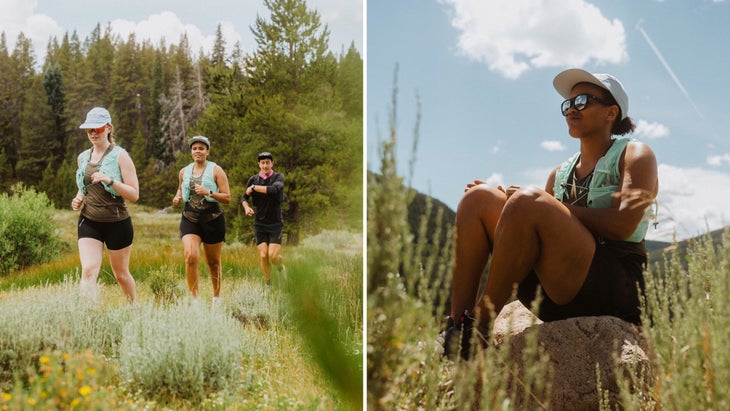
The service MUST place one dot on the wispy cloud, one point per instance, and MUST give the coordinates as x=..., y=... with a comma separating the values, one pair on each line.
x=651, y=130
x=496, y=179
x=718, y=160
x=516, y=36
x=551, y=145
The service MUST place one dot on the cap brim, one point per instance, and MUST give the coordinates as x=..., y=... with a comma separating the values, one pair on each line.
x=566, y=80
x=92, y=125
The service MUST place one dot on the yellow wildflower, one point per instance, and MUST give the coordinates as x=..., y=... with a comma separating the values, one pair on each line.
x=85, y=390
x=74, y=403
x=31, y=401
x=7, y=396
x=44, y=360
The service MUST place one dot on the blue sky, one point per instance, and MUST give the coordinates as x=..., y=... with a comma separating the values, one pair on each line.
x=155, y=19
x=483, y=72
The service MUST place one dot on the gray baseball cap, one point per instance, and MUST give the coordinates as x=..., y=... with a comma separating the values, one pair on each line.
x=199, y=139
x=566, y=80
x=97, y=117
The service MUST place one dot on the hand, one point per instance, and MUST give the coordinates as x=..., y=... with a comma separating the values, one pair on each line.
x=510, y=190
x=76, y=203
x=100, y=177
x=249, y=211
x=176, y=200
x=201, y=191
x=474, y=184
x=249, y=190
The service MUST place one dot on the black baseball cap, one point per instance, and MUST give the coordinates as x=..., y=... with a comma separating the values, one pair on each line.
x=265, y=154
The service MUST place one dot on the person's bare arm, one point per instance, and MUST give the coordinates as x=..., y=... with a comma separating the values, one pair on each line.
x=637, y=189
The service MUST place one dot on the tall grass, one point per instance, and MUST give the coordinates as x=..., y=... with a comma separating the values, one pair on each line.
x=686, y=316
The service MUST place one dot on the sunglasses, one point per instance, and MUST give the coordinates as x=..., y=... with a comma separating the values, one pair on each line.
x=580, y=102
x=98, y=130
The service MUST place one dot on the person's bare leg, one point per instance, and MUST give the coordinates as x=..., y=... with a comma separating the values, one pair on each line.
x=275, y=255
x=536, y=231
x=213, y=258
x=90, y=255
x=476, y=219
x=119, y=261
x=264, y=260
x=191, y=249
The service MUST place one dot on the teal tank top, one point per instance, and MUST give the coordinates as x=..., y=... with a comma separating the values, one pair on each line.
x=109, y=166
x=605, y=182
x=208, y=181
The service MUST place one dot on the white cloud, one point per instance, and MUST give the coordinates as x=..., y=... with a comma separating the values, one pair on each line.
x=515, y=36
x=691, y=202
x=495, y=179
x=651, y=130
x=719, y=159
x=168, y=25
x=551, y=145
x=18, y=16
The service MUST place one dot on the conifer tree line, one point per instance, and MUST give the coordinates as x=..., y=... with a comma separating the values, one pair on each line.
x=290, y=96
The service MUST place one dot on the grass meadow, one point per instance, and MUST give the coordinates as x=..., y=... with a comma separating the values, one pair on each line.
x=687, y=310
x=296, y=344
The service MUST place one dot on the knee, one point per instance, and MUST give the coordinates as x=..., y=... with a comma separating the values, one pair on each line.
x=524, y=200
x=214, y=266
x=264, y=255
x=123, y=276
x=90, y=272
x=191, y=258
x=479, y=197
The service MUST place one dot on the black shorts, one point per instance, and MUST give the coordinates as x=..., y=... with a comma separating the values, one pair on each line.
x=610, y=288
x=211, y=232
x=267, y=235
x=115, y=235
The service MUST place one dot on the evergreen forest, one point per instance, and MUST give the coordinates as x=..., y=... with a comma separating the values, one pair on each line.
x=291, y=95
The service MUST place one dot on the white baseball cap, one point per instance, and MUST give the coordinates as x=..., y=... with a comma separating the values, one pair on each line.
x=97, y=117
x=566, y=80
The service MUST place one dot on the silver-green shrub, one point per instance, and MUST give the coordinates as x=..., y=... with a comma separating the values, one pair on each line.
x=180, y=351
x=56, y=317
x=27, y=232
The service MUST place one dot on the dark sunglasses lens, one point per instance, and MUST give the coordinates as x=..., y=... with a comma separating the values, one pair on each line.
x=580, y=101
x=565, y=107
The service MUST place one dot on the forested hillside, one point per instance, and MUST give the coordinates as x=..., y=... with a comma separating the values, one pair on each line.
x=291, y=96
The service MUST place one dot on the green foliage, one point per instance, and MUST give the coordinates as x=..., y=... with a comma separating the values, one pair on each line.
x=164, y=286
x=195, y=352
x=325, y=307
x=26, y=228
x=691, y=318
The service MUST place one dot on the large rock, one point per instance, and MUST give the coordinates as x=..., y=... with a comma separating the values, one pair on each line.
x=575, y=348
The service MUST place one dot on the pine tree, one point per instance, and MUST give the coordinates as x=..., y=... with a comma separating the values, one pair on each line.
x=37, y=146
x=348, y=83
x=56, y=99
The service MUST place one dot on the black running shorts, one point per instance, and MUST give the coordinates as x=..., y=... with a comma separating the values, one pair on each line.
x=116, y=235
x=267, y=235
x=610, y=288
x=210, y=232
